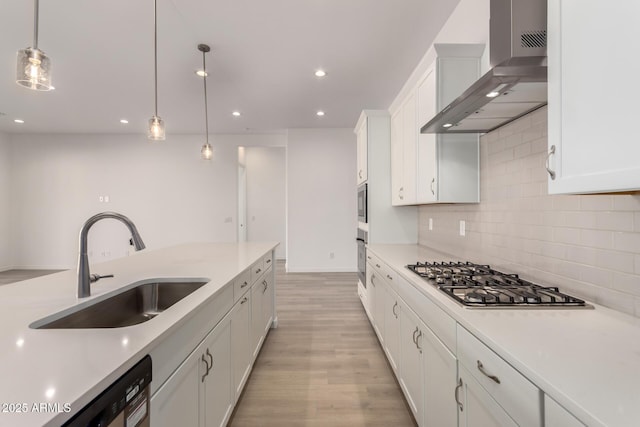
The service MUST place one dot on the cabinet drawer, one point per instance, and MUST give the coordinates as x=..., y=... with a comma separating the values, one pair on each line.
x=256, y=270
x=515, y=393
x=241, y=284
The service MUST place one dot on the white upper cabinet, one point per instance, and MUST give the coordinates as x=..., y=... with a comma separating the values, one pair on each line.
x=430, y=168
x=361, y=138
x=403, y=153
x=593, y=90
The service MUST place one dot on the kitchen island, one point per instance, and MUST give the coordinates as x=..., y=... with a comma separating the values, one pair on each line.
x=47, y=375
x=546, y=366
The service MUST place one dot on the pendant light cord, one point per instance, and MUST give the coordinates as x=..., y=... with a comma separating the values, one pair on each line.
x=206, y=111
x=155, y=52
x=36, y=7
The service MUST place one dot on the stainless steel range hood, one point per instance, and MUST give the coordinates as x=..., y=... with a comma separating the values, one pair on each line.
x=517, y=81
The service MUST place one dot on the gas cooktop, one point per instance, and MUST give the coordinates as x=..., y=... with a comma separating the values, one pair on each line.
x=476, y=285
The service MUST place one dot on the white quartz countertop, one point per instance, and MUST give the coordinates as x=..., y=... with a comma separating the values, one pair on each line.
x=45, y=369
x=588, y=360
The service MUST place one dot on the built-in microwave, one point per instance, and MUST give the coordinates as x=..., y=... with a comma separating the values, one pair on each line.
x=362, y=203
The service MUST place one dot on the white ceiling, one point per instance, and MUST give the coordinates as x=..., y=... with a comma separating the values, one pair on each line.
x=264, y=54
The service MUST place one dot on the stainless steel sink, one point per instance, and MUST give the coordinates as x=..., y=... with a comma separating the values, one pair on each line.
x=131, y=307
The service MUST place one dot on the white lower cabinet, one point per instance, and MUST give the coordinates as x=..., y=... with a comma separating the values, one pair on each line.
x=205, y=387
x=476, y=407
x=241, y=342
x=376, y=288
x=556, y=416
x=440, y=373
x=199, y=393
x=392, y=309
x=411, y=365
x=262, y=309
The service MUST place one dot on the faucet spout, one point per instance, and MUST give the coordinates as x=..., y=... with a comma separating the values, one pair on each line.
x=84, y=275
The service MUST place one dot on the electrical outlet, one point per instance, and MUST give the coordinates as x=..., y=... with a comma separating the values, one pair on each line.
x=463, y=227
x=106, y=199
x=101, y=199
x=430, y=224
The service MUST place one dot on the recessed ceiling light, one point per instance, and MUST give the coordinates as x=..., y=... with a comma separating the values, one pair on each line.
x=320, y=113
x=124, y=121
x=447, y=125
x=202, y=73
x=236, y=113
x=321, y=73
x=19, y=121
x=492, y=94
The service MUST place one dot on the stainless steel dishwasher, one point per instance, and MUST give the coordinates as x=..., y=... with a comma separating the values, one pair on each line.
x=125, y=403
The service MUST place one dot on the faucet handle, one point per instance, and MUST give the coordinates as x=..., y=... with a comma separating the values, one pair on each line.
x=96, y=277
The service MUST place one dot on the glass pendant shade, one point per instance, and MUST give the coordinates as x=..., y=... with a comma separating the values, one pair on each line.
x=207, y=151
x=156, y=129
x=33, y=69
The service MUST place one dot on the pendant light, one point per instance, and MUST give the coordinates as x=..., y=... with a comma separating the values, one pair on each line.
x=206, y=151
x=33, y=69
x=156, y=124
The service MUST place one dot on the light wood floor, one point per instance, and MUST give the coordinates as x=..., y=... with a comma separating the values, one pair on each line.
x=323, y=365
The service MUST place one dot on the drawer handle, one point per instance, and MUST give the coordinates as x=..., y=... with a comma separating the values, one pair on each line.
x=389, y=277
x=486, y=374
x=414, y=336
x=378, y=265
x=243, y=300
x=258, y=270
x=208, y=367
x=244, y=284
x=458, y=387
x=394, y=309
x=368, y=257
x=269, y=260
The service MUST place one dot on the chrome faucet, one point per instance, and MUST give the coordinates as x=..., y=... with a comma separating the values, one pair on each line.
x=84, y=277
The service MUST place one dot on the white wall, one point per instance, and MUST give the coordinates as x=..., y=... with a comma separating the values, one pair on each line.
x=266, y=195
x=321, y=200
x=5, y=203
x=170, y=194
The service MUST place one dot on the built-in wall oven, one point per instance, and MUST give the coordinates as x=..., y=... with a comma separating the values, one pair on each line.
x=362, y=203
x=362, y=256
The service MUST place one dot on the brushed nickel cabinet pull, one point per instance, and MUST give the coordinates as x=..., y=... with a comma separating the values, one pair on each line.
x=208, y=367
x=243, y=300
x=458, y=387
x=551, y=172
x=417, y=338
x=393, y=309
x=414, y=336
x=433, y=181
x=486, y=374
x=244, y=284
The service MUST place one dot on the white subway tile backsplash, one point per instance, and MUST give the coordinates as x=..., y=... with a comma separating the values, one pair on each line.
x=618, y=221
x=596, y=202
x=587, y=245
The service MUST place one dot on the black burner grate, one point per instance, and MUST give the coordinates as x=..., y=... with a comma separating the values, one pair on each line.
x=478, y=285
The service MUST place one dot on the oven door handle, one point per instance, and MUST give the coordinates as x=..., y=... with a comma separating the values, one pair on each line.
x=360, y=240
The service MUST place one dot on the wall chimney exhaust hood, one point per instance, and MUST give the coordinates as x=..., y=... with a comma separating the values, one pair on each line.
x=517, y=81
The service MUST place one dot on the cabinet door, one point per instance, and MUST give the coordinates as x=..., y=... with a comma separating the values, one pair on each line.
x=378, y=307
x=556, y=416
x=257, y=329
x=397, y=160
x=241, y=342
x=372, y=283
x=427, y=185
x=477, y=408
x=217, y=389
x=177, y=402
x=409, y=149
x=411, y=373
x=267, y=302
x=362, y=158
x=392, y=329
x=590, y=124
x=440, y=374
